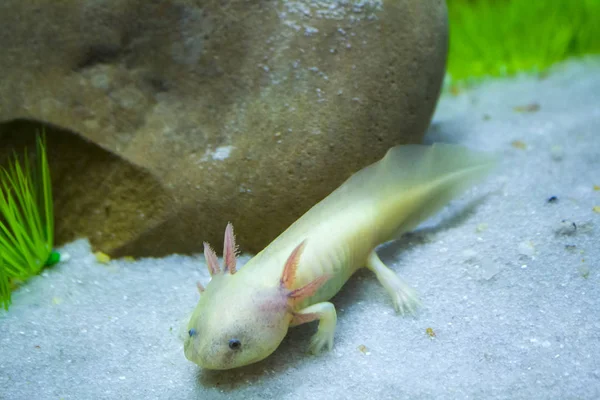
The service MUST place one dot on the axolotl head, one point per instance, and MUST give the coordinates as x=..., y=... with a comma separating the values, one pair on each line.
x=237, y=323
x=233, y=326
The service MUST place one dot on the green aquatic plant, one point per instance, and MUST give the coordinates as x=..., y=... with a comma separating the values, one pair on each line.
x=4, y=286
x=503, y=37
x=26, y=219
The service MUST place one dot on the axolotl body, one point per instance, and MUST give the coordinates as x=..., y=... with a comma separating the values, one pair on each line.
x=242, y=316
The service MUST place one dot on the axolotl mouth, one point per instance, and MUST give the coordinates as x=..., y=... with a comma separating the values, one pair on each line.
x=212, y=363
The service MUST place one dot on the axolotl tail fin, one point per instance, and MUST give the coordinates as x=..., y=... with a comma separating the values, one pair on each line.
x=413, y=182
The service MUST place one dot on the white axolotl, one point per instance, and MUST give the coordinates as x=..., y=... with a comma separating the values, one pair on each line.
x=242, y=316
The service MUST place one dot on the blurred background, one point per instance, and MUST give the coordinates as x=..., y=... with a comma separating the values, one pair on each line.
x=504, y=37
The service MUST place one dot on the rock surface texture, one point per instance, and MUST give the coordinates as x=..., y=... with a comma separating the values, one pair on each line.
x=196, y=113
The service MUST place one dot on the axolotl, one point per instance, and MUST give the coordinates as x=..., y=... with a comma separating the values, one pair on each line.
x=243, y=315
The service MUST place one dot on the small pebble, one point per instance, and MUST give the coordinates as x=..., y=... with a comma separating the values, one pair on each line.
x=517, y=144
x=481, y=227
x=584, y=271
x=533, y=107
x=557, y=153
x=102, y=258
x=469, y=255
x=526, y=248
x=489, y=269
x=566, y=227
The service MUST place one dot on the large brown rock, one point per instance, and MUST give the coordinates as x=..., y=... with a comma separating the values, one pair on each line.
x=242, y=111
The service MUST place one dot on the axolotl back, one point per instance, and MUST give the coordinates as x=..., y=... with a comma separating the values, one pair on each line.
x=242, y=316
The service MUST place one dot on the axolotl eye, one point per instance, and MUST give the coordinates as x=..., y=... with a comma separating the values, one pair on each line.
x=235, y=344
x=192, y=332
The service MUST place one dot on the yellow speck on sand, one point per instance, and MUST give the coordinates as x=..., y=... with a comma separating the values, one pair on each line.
x=527, y=108
x=596, y=187
x=596, y=209
x=455, y=90
x=14, y=283
x=102, y=258
x=517, y=144
x=482, y=227
x=56, y=300
x=430, y=332
x=363, y=349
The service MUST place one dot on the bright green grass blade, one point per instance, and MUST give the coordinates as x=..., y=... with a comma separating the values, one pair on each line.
x=9, y=245
x=4, y=286
x=15, y=252
x=31, y=220
x=16, y=220
x=10, y=230
x=46, y=192
x=25, y=204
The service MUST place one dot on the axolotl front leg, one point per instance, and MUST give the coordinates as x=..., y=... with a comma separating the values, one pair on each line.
x=403, y=296
x=325, y=313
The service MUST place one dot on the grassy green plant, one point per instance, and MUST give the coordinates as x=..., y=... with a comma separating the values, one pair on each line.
x=503, y=37
x=4, y=286
x=26, y=219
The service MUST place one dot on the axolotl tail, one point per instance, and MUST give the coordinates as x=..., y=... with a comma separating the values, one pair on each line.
x=413, y=182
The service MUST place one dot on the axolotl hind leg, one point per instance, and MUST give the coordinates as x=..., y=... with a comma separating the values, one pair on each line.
x=404, y=297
